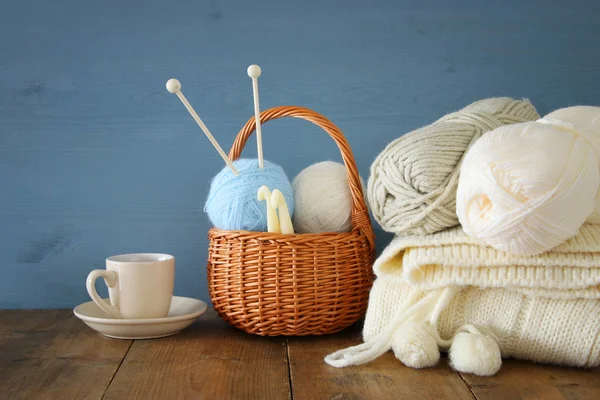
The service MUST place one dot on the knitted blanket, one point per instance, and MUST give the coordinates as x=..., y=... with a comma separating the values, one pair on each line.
x=552, y=297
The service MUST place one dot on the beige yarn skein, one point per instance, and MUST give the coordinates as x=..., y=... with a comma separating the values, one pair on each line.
x=412, y=187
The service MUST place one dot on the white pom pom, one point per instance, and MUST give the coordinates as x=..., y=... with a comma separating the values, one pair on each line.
x=414, y=346
x=475, y=354
x=526, y=188
x=173, y=86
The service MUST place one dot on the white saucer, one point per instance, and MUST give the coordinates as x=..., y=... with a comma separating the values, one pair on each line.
x=183, y=313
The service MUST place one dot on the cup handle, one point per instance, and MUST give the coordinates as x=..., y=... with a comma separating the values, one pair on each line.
x=110, y=278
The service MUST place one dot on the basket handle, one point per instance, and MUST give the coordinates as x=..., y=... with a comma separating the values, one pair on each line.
x=360, y=215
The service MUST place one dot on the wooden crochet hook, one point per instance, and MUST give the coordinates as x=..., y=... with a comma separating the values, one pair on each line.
x=174, y=86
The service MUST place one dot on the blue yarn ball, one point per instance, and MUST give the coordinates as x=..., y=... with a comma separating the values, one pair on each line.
x=232, y=203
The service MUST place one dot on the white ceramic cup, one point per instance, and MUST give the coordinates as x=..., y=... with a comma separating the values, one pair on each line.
x=139, y=285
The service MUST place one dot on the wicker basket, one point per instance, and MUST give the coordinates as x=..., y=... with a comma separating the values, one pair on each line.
x=303, y=284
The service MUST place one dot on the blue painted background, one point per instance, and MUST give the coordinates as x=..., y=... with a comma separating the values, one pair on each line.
x=96, y=158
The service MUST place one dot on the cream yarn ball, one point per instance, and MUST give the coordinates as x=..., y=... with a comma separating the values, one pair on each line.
x=323, y=202
x=412, y=186
x=584, y=121
x=526, y=188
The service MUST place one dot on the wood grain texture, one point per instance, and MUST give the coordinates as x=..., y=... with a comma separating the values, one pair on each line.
x=53, y=355
x=209, y=360
x=520, y=380
x=96, y=158
x=384, y=378
x=31, y=322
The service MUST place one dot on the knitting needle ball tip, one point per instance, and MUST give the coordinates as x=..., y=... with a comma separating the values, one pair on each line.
x=254, y=71
x=173, y=86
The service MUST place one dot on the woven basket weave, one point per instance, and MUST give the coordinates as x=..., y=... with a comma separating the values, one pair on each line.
x=303, y=284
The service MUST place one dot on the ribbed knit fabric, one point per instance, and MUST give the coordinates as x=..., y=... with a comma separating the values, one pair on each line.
x=569, y=271
x=544, y=308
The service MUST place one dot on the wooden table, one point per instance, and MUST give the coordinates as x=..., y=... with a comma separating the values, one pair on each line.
x=50, y=354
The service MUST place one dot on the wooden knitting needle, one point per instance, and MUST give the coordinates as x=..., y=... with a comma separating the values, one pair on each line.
x=174, y=86
x=285, y=221
x=264, y=194
x=254, y=72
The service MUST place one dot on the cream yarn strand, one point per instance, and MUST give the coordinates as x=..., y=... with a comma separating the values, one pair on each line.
x=435, y=300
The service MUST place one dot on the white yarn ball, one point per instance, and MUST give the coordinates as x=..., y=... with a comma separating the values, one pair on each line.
x=526, y=188
x=475, y=354
x=323, y=202
x=584, y=121
x=414, y=346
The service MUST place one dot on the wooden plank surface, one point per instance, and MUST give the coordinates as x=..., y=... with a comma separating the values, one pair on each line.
x=209, y=360
x=25, y=335
x=52, y=355
x=523, y=380
x=384, y=378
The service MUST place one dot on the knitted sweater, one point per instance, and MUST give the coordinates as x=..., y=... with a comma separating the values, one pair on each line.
x=569, y=271
x=540, y=329
x=542, y=308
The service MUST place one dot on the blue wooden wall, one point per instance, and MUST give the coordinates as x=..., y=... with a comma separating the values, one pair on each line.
x=96, y=158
